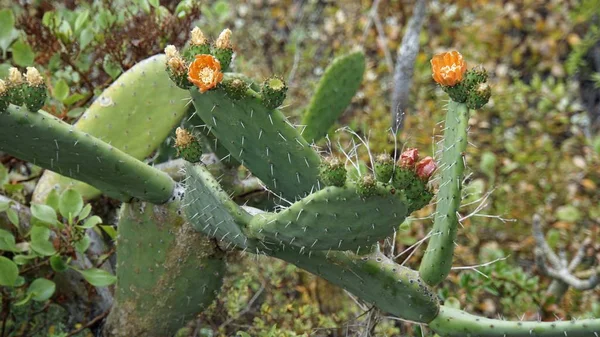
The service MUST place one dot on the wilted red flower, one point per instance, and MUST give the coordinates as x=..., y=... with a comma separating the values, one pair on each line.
x=426, y=167
x=205, y=72
x=448, y=68
x=408, y=158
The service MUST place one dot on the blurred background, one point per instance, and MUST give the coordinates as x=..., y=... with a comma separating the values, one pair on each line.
x=534, y=149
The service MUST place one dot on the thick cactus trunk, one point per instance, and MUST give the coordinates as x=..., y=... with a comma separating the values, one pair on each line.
x=167, y=272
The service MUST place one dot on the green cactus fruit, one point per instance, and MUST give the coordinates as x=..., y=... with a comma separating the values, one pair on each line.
x=222, y=50
x=457, y=323
x=262, y=140
x=474, y=76
x=332, y=172
x=35, y=92
x=374, y=278
x=188, y=146
x=366, y=186
x=273, y=92
x=479, y=96
x=458, y=92
x=437, y=262
x=384, y=168
x=210, y=210
x=198, y=45
x=55, y=145
x=135, y=114
x=15, y=86
x=177, y=70
x=334, y=218
x=403, y=178
x=235, y=88
x=4, y=96
x=333, y=95
x=167, y=272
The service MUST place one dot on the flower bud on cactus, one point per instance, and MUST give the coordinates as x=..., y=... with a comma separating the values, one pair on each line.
x=15, y=86
x=479, y=96
x=198, y=45
x=366, y=186
x=223, y=51
x=425, y=168
x=3, y=96
x=188, y=146
x=332, y=172
x=177, y=68
x=408, y=158
x=34, y=93
x=384, y=167
x=273, y=92
x=236, y=88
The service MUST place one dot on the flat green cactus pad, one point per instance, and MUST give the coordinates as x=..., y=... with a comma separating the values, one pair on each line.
x=167, y=272
x=374, y=278
x=135, y=115
x=46, y=141
x=335, y=218
x=210, y=210
x=262, y=140
x=334, y=93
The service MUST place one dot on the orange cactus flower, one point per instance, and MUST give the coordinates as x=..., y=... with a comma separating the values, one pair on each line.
x=448, y=68
x=205, y=72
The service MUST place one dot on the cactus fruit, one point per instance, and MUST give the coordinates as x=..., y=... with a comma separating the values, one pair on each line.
x=198, y=45
x=15, y=86
x=384, y=168
x=177, y=68
x=479, y=96
x=262, y=140
x=34, y=93
x=4, y=96
x=222, y=49
x=167, y=273
x=235, y=87
x=135, y=114
x=55, y=145
x=273, y=92
x=335, y=90
x=437, y=261
x=332, y=172
x=188, y=146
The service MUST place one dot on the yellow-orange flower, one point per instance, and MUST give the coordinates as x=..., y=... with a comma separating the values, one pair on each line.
x=448, y=68
x=205, y=72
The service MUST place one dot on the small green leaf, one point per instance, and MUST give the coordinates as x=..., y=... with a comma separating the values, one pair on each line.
x=23, y=259
x=98, y=277
x=76, y=97
x=83, y=244
x=7, y=241
x=81, y=19
x=70, y=203
x=4, y=206
x=22, y=54
x=87, y=209
x=8, y=33
x=44, y=248
x=112, y=68
x=41, y=289
x=58, y=264
x=13, y=216
x=52, y=199
x=91, y=222
x=85, y=38
x=154, y=3
x=8, y=272
x=61, y=90
x=44, y=213
x=110, y=231
x=75, y=113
